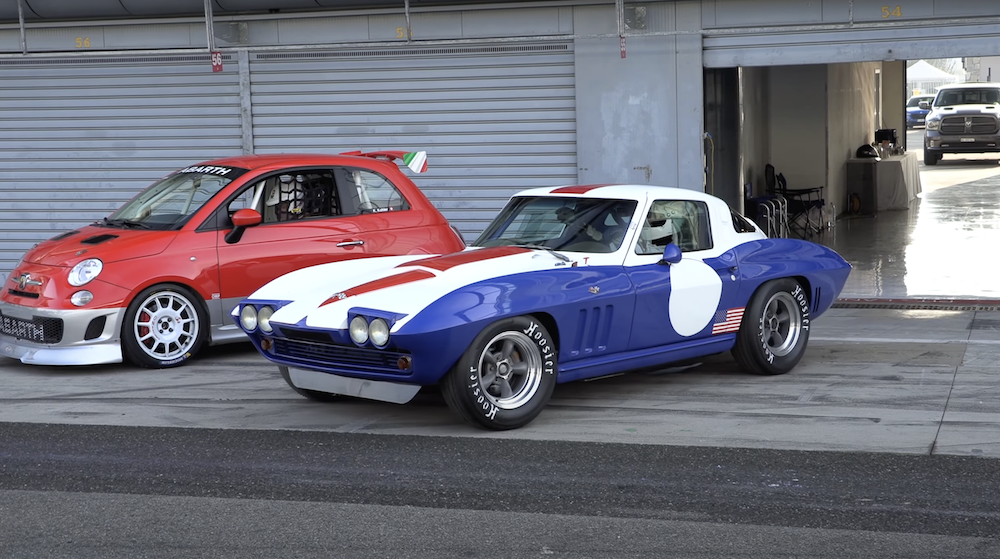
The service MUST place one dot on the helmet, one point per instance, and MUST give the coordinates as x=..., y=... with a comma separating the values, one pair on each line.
x=867, y=150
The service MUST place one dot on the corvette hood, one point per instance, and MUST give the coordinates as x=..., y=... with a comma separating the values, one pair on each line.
x=402, y=285
x=108, y=244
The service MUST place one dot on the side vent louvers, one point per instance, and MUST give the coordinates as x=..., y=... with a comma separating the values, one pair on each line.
x=816, y=299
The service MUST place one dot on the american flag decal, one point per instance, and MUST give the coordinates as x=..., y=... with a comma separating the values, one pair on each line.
x=727, y=320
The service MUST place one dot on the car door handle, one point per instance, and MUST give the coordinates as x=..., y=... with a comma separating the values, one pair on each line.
x=350, y=243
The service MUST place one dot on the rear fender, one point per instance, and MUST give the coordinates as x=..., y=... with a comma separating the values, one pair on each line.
x=821, y=269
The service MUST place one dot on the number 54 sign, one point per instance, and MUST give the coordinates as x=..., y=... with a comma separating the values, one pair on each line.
x=216, y=61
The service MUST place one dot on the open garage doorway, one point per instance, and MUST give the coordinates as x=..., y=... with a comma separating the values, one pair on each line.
x=808, y=121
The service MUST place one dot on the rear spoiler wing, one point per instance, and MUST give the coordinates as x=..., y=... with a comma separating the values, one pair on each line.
x=415, y=160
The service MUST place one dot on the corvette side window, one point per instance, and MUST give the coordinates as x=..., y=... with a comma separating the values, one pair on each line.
x=682, y=222
x=742, y=224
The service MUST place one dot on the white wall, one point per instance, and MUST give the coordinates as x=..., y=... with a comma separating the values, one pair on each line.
x=814, y=118
x=640, y=118
x=755, y=136
x=851, y=94
x=989, y=68
x=894, y=97
x=797, y=108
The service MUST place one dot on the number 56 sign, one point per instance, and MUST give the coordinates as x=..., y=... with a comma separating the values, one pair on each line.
x=216, y=61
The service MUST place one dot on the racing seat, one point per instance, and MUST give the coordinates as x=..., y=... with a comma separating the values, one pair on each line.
x=285, y=199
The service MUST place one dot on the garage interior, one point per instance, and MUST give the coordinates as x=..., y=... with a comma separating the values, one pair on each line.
x=796, y=85
x=808, y=121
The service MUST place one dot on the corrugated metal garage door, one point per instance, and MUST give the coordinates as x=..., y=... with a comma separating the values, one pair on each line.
x=729, y=50
x=78, y=137
x=494, y=119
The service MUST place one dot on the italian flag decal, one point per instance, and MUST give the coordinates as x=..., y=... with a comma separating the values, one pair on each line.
x=416, y=161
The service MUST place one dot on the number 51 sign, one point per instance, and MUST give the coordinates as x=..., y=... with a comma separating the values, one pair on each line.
x=216, y=61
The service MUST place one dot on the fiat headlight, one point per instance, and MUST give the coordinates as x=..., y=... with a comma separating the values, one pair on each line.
x=81, y=298
x=248, y=318
x=933, y=123
x=264, y=319
x=378, y=331
x=84, y=272
x=359, y=330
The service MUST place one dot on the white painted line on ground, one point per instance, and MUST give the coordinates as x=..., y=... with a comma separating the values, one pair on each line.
x=901, y=340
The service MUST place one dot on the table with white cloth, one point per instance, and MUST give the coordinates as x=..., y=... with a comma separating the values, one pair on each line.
x=889, y=184
x=898, y=181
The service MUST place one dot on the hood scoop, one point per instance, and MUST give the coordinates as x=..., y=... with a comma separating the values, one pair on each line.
x=98, y=239
x=64, y=235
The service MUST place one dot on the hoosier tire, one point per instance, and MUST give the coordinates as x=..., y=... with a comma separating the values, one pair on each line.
x=775, y=328
x=506, y=376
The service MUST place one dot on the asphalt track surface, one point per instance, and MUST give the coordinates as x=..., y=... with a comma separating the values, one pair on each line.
x=100, y=491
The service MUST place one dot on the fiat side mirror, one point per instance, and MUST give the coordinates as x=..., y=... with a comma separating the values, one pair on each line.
x=241, y=220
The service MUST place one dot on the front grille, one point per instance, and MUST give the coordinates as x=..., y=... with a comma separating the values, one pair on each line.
x=20, y=293
x=955, y=125
x=39, y=329
x=338, y=355
x=305, y=335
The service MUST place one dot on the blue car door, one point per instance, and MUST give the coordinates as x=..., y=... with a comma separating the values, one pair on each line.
x=688, y=300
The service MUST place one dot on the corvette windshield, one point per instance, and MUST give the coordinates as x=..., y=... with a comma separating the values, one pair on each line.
x=565, y=224
x=170, y=202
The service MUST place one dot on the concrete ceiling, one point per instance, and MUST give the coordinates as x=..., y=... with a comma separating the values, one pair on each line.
x=35, y=10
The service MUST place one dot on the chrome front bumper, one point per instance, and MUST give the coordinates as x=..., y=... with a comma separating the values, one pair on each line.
x=395, y=392
x=72, y=348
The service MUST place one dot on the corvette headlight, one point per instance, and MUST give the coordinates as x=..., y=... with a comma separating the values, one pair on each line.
x=359, y=329
x=378, y=331
x=248, y=318
x=85, y=271
x=264, y=319
x=933, y=124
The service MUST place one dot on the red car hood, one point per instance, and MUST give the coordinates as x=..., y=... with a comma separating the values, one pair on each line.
x=106, y=243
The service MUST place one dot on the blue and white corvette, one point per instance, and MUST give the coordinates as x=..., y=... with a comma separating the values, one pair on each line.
x=566, y=283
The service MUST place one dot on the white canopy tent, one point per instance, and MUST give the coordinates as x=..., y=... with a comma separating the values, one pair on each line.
x=921, y=77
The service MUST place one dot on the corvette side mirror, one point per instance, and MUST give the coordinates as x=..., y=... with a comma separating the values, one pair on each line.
x=671, y=255
x=241, y=220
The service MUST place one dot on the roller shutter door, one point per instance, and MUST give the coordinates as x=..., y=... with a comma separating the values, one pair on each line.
x=494, y=119
x=79, y=137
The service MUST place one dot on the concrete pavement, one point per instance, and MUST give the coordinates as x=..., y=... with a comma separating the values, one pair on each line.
x=872, y=380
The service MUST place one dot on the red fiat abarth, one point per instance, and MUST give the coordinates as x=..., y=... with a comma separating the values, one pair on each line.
x=155, y=281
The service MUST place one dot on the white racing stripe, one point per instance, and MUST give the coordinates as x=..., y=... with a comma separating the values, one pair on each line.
x=320, y=306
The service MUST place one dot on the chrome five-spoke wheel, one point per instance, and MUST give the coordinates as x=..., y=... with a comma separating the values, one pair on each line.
x=510, y=370
x=782, y=323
